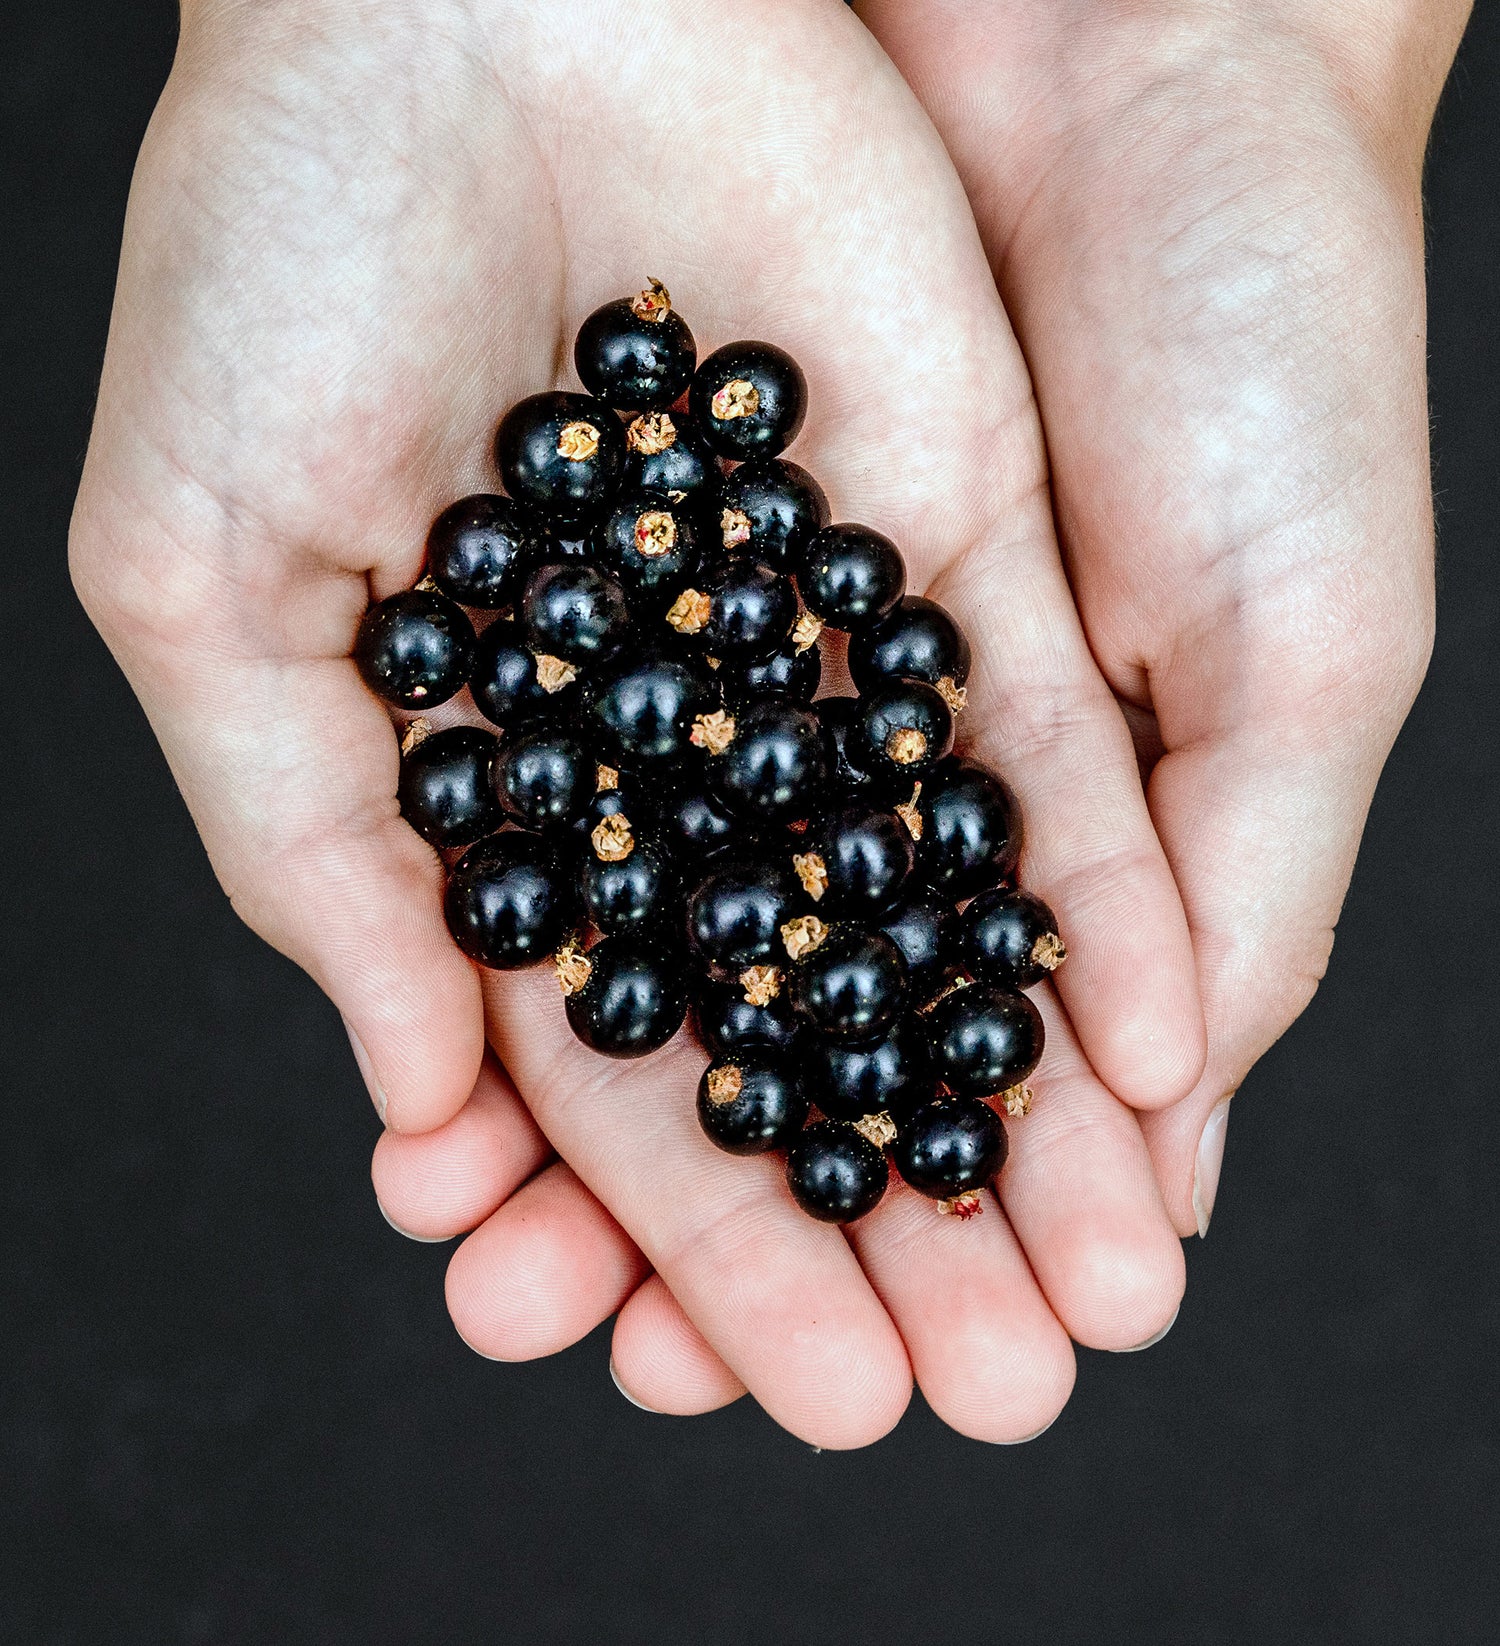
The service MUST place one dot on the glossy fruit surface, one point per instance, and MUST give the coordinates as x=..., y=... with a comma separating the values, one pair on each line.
x=634, y=1001
x=749, y=1105
x=950, y=1146
x=735, y=915
x=729, y=1022
x=985, y=1039
x=916, y=640
x=508, y=901
x=644, y=707
x=770, y=509
x=971, y=830
x=924, y=927
x=862, y=856
x=482, y=549
x=754, y=608
x=851, y=576
x=904, y=728
x=414, y=649
x=836, y=1175
x=507, y=685
x=446, y=787
x=1010, y=938
x=665, y=454
x=893, y=1076
x=697, y=823
x=749, y=400
x=790, y=671
x=852, y=987
x=574, y=611
x=563, y=454
x=838, y=716
x=637, y=353
x=632, y=896
x=776, y=768
x=545, y=777
x=651, y=545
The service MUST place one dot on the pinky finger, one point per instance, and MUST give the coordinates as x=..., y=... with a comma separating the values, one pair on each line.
x=660, y=1360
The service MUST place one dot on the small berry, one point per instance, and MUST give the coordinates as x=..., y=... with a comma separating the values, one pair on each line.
x=776, y=767
x=415, y=649
x=697, y=823
x=850, y=988
x=651, y=545
x=636, y=354
x=835, y=1174
x=950, y=1147
x=851, y=576
x=545, y=777
x=633, y=893
x=632, y=1000
x=728, y=1021
x=916, y=640
x=864, y=857
x=894, y=1076
x=508, y=902
x=971, y=830
x=563, y=454
x=574, y=611
x=749, y=1105
x=985, y=1040
x=838, y=716
x=904, y=728
x=735, y=915
x=1009, y=938
x=924, y=927
x=482, y=549
x=770, y=509
x=507, y=679
x=644, y=707
x=446, y=787
x=753, y=608
x=790, y=671
x=749, y=400
x=666, y=455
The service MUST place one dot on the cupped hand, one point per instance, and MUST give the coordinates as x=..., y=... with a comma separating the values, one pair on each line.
x=355, y=235
x=1206, y=224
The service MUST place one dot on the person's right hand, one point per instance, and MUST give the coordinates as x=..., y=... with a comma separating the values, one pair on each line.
x=357, y=234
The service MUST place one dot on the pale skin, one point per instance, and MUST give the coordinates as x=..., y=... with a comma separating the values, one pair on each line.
x=358, y=231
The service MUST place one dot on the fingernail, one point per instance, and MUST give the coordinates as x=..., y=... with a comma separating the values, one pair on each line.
x=1156, y=1337
x=367, y=1069
x=1206, y=1166
x=1022, y=1440
x=480, y=1352
x=426, y=1240
x=640, y=1405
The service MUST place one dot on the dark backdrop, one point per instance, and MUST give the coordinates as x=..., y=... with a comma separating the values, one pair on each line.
x=234, y=1410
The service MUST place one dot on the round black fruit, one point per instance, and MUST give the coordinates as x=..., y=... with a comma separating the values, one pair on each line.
x=446, y=787
x=665, y=454
x=697, y=823
x=561, y=453
x=851, y=576
x=855, y=861
x=644, y=708
x=838, y=716
x=776, y=767
x=414, y=649
x=1010, y=938
x=903, y=730
x=511, y=685
x=729, y=1021
x=950, y=1147
x=508, y=902
x=971, y=830
x=792, y=670
x=482, y=549
x=753, y=609
x=852, y=987
x=575, y=612
x=749, y=399
x=924, y=927
x=637, y=353
x=770, y=509
x=545, y=777
x=749, y=1105
x=634, y=999
x=916, y=640
x=894, y=1076
x=985, y=1040
x=835, y=1174
x=629, y=888
x=735, y=915
x=651, y=545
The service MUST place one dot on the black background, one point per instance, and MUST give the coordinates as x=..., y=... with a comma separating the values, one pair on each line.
x=234, y=1410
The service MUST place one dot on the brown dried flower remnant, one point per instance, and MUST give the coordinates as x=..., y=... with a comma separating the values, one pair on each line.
x=714, y=732
x=612, y=840
x=954, y=696
x=1049, y=951
x=906, y=745
x=606, y=777
x=962, y=1206
x=878, y=1129
x=552, y=673
x=655, y=533
x=806, y=630
x=572, y=965
x=910, y=814
x=761, y=984
x=578, y=442
x=651, y=433
x=812, y=871
x=652, y=304
x=690, y=611
x=416, y=735
x=737, y=398
x=1017, y=1100
x=802, y=935
x=734, y=525
x=943, y=993
x=725, y=1083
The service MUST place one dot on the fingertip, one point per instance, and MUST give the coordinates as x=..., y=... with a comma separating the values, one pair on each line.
x=662, y=1362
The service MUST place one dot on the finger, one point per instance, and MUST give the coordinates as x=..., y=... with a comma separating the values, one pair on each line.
x=438, y=1184
x=778, y=1296
x=660, y=1359
x=542, y=1272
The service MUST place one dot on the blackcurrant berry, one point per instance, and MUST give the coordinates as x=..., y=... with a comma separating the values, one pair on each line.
x=894, y=1076
x=508, y=902
x=730, y=1021
x=971, y=830
x=545, y=777
x=482, y=549
x=775, y=768
x=950, y=1147
x=561, y=453
x=924, y=927
x=1010, y=938
x=792, y=670
x=697, y=824
x=645, y=706
x=446, y=788
x=855, y=861
x=666, y=455
x=770, y=509
x=620, y=796
x=851, y=988
x=636, y=354
x=838, y=716
x=735, y=915
x=651, y=545
x=749, y=1105
x=627, y=999
x=985, y=1040
x=629, y=888
x=851, y=576
x=749, y=399
x=414, y=649
x=903, y=730
x=916, y=640
x=835, y=1174
x=575, y=612
x=753, y=608
x=511, y=685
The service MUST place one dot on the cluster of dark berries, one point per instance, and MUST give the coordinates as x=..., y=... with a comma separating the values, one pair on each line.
x=670, y=816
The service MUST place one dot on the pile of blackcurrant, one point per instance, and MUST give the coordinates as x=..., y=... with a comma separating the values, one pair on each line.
x=674, y=818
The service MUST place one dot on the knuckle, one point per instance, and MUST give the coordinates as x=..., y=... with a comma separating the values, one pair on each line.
x=140, y=586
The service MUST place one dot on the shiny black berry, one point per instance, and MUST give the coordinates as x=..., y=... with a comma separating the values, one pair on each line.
x=651, y=545
x=835, y=1174
x=697, y=824
x=644, y=706
x=852, y=987
x=753, y=609
x=924, y=926
x=508, y=902
x=446, y=789
x=1010, y=938
x=916, y=640
x=665, y=454
x=855, y=861
x=729, y=1021
x=414, y=649
x=563, y=454
x=838, y=716
x=545, y=777
x=792, y=670
x=735, y=915
x=776, y=767
x=950, y=1147
x=971, y=830
x=851, y=576
x=894, y=1076
x=574, y=611
x=984, y=1039
x=630, y=892
x=903, y=729
x=482, y=549
x=511, y=685
x=749, y=399
x=749, y=1105
x=636, y=354
x=634, y=1001
x=770, y=509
